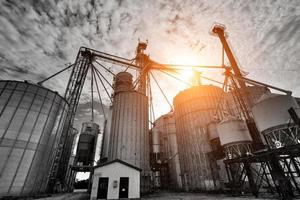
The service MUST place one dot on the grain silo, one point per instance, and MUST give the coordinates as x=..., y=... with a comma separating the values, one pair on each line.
x=106, y=136
x=218, y=154
x=171, y=176
x=155, y=158
x=254, y=93
x=273, y=120
x=129, y=137
x=87, y=144
x=30, y=128
x=194, y=109
x=234, y=137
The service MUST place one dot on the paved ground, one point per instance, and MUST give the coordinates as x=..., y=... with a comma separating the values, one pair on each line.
x=194, y=196
x=158, y=196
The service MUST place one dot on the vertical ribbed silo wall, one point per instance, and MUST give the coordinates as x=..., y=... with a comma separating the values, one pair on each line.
x=194, y=109
x=129, y=139
x=87, y=143
x=31, y=118
x=167, y=132
x=106, y=136
x=174, y=165
x=254, y=93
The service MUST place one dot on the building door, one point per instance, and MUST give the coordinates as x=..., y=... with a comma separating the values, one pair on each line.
x=123, y=188
x=102, y=188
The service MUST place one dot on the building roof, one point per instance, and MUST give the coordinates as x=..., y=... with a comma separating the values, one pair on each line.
x=119, y=161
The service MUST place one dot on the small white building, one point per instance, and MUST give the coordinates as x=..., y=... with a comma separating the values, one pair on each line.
x=116, y=179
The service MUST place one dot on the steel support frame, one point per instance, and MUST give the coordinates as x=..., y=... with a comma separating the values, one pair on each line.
x=274, y=170
x=72, y=94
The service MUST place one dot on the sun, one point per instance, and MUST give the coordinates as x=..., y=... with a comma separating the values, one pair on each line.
x=186, y=74
x=185, y=60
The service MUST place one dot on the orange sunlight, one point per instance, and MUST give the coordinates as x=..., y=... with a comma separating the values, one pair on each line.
x=187, y=59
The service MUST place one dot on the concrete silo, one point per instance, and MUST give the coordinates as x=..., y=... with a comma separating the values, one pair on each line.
x=194, y=109
x=129, y=134
x=31, y=120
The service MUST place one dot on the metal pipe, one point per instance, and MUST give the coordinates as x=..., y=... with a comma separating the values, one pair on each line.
x=162, y=91
x=97, y=71
x=103, y=84
x=105, y=68
x=39, y=83
x=263, y=84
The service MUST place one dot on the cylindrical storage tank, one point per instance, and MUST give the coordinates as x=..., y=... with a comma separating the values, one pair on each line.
x=272, y=110
x=212, y=131
x=254, y=94
x=169, y=151
x=87, y=143
x=194, y=109
x=31, y=119
x=106, y=136
x=234, y=137
x=272, y=118
x=155, y=141
x=123, y=82
x=129, y=137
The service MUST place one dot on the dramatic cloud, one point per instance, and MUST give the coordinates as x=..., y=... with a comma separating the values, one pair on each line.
x=39, y=38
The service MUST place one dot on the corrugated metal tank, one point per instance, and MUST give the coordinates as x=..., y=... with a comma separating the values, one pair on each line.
x=155, y=159
x=254, y=93
x=194, y=109
x=31, y=119
x=106, y=136
x=155, y=141
x=129, y=137
x=272, y=110
x=212, y=131
x=169, y=150
x=233, y=131
x=234, y=137
x=274, y=121
x=218, y=153
x=87, y=143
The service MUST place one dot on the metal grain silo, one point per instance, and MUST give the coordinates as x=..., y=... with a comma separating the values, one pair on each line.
x=254, y=93
x=217, y=153
x=129, y=137
x=106, y=136
x=194, y=109
x=169, y=151
x=87, y=143
x=234, y=137
x=155, y=159
x=31, y=118
x=273, y=120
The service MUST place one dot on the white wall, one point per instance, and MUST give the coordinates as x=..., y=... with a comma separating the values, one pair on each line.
x=114, y=171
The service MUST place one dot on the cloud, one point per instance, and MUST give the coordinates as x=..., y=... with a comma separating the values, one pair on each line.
x=38, y=38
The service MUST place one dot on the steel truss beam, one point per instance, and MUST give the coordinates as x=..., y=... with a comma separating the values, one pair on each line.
x=273, y=170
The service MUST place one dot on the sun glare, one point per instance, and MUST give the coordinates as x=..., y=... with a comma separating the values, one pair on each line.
x=186, y=74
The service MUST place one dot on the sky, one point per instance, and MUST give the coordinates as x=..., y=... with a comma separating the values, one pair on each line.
x=39, y=38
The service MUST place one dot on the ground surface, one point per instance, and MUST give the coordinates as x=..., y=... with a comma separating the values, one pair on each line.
x=194, y=196
x=158, y=196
